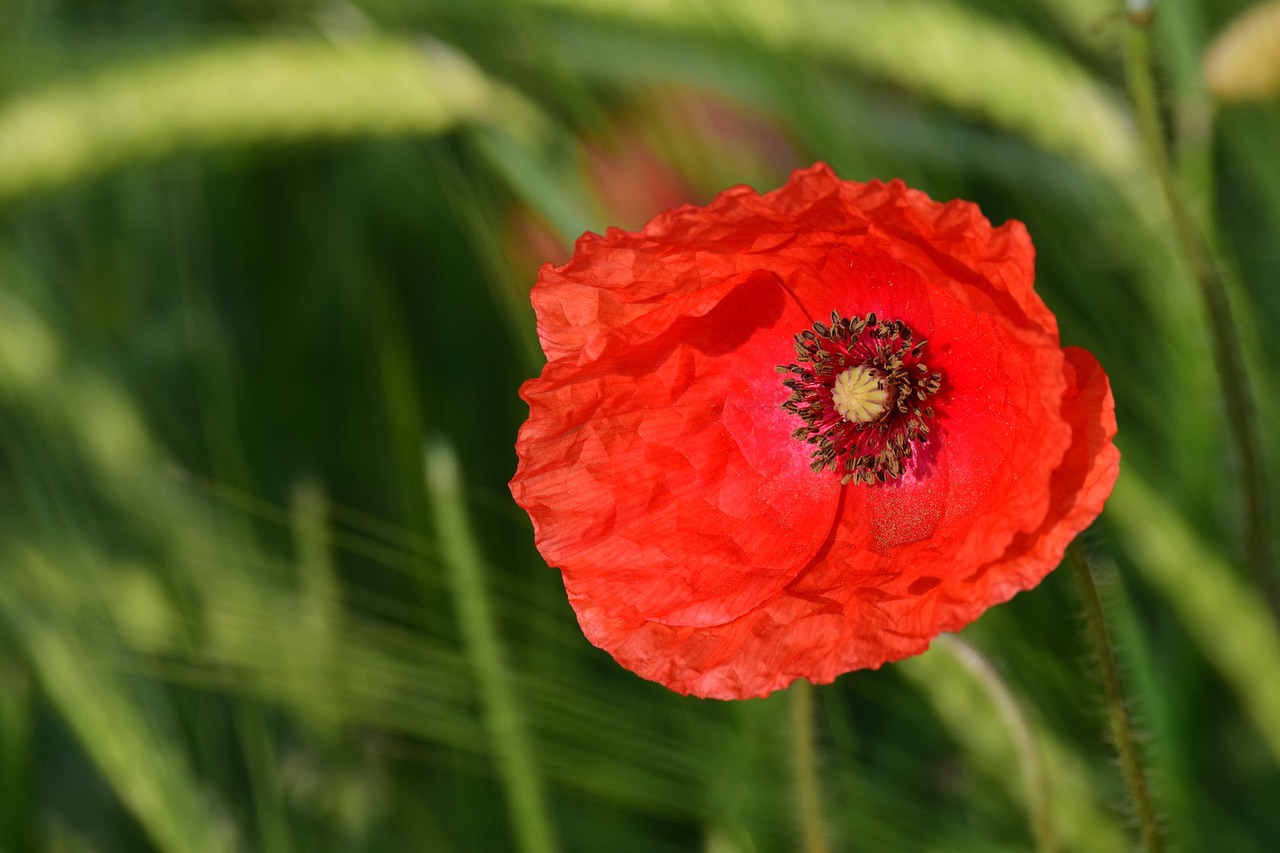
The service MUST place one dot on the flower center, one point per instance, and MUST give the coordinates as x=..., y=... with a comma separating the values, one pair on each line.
x=859, y=395
x=858, y=386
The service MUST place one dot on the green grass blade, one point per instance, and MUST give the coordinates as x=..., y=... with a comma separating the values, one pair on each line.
x=143, y=765
x=964, y=700
x=479, y=632
x=1228, y=621
x=939, y=49
x=265, y=91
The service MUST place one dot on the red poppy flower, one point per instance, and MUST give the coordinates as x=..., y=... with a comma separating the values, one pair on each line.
x=800, y=433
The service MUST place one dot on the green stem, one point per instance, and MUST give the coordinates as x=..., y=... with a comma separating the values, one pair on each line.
x=1007, y=705
x=805, y=767
x=511, y=747
x=1117, y=713
x=1228, y=356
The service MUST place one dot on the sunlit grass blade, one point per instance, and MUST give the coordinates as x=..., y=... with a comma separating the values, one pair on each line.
x=512, y=749
x=936, y=48
x=1228, y=621
x=144, y=765
x=318, y=584
x=251, y=92
x=264, y=781
x=1037, y=792
x=319, y=608
x=976, y=710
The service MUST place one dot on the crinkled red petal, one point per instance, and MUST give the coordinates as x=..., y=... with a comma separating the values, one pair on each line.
x=830, y=622
x=661, y=476
x=613, y=279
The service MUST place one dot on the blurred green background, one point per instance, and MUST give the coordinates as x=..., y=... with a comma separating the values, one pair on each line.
x=264, y=273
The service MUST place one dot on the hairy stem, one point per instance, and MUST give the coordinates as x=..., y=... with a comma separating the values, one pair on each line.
x=1228, y=356
x=1117, y=713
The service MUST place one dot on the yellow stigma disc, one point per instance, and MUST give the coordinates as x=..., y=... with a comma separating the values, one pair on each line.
x=859, y=395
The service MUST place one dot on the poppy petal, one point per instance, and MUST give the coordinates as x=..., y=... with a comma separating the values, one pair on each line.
x=661, y=484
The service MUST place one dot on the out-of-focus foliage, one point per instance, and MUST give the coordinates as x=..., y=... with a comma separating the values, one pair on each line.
x=264, y=270
x=1243, y=62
